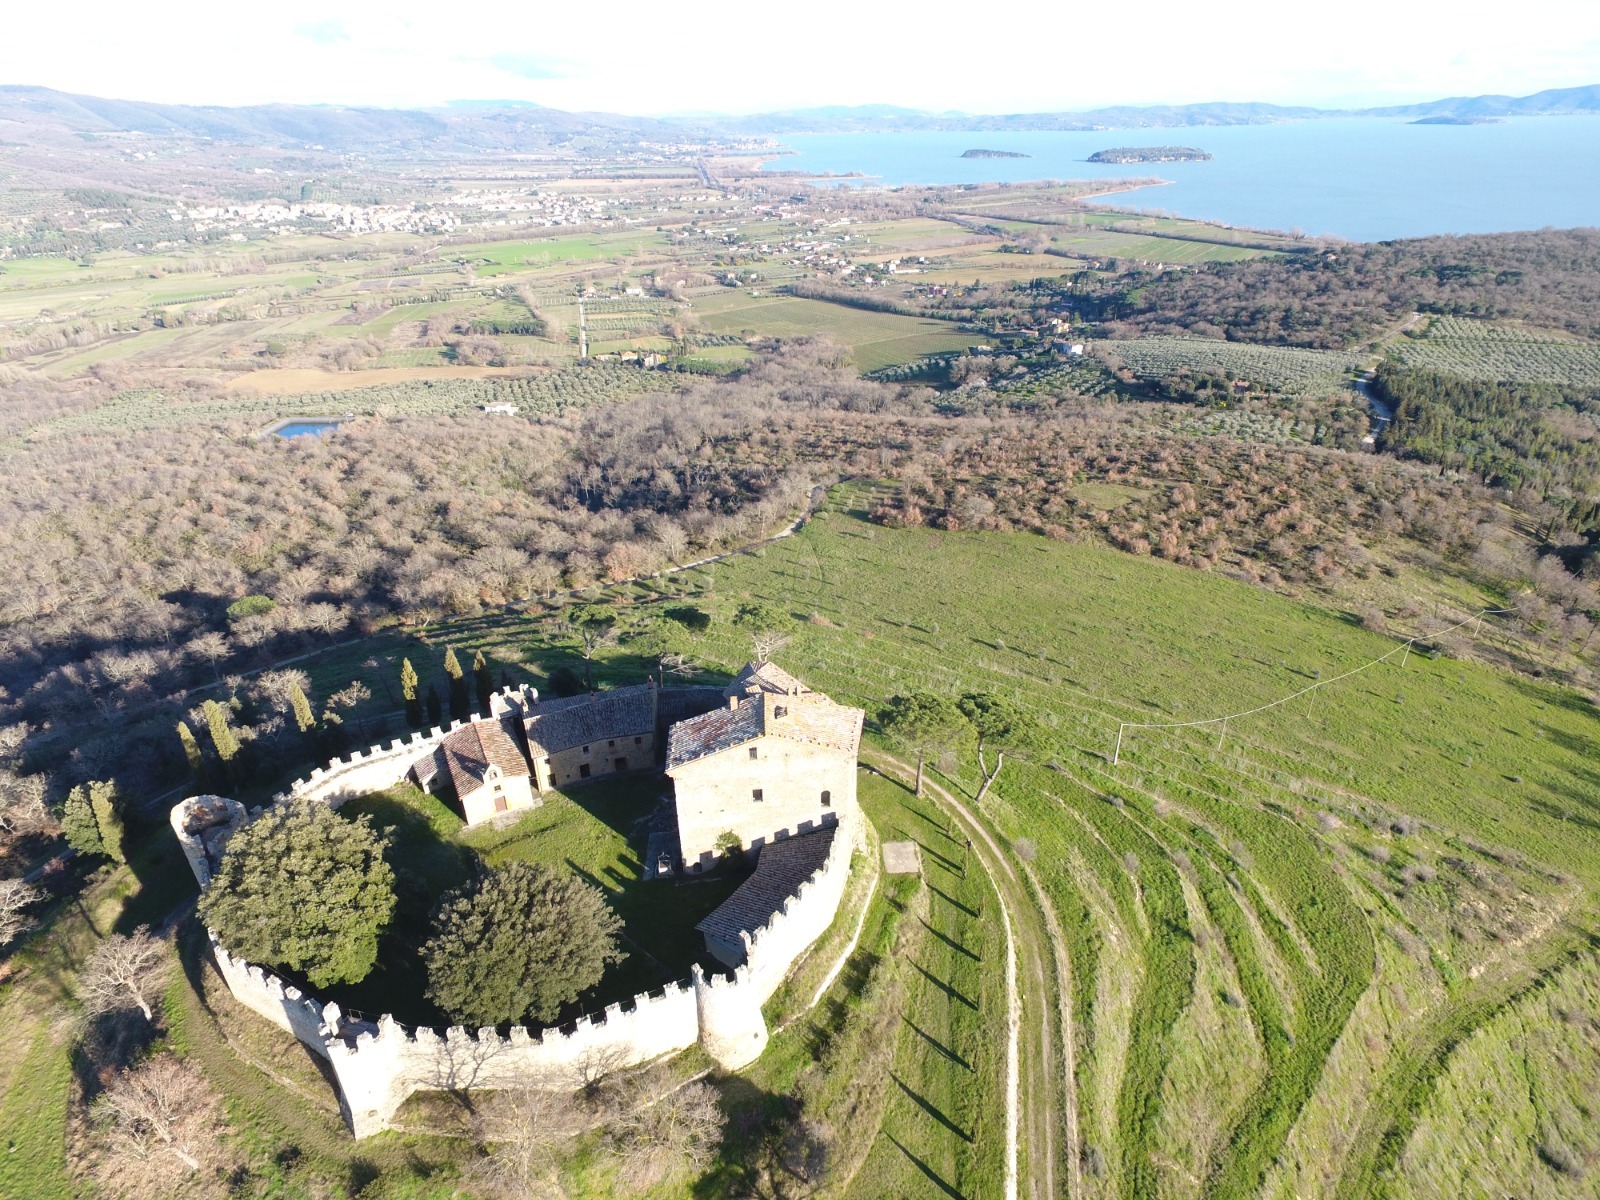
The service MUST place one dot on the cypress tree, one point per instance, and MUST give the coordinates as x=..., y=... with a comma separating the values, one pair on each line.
x=191, y=751
x=460, y=697
x=106, y=806
x=82, y=831
x=408, y=688
x=484, y=678
x=435, y=708
x=222, y=735
x=303, y=716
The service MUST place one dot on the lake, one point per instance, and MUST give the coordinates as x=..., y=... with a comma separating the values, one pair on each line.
x=1362, y=178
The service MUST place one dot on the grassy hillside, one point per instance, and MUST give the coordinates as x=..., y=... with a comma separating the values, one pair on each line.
x=1287, y=944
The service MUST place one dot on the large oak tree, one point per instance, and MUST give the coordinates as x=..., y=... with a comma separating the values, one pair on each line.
x=304, y=888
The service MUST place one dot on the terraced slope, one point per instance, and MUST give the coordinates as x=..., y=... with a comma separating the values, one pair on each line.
x=1292, y=954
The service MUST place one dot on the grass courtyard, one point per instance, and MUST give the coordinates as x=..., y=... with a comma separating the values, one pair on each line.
x=596, y=831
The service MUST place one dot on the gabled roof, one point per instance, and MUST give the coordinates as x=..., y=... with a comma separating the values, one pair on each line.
x=781, y=869
x=719, y=729
x=798, y=715
x=556, y=725
x=764, y=677
x=467, y=754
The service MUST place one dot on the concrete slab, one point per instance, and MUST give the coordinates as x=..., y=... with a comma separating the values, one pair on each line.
x=902, y=858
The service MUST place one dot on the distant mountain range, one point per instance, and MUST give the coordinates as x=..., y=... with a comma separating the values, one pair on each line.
x=31, y=114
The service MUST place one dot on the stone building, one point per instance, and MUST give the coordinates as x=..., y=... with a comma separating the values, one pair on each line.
x=485, y=763
x=577, y=738
x=778, y=759
x=781, y=869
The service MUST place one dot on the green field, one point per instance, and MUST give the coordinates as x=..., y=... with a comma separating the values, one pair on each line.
x=1282, y=939
x=877, y=339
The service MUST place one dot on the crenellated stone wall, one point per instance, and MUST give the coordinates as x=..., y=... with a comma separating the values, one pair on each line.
x=284, y=1005
x=380, y=767
x=379, y=1066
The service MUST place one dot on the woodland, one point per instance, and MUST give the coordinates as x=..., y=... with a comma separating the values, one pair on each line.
x=924, y=443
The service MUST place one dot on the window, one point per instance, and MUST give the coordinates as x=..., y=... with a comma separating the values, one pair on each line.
x=586, y=749
x=612, y=743
x=583, y=770
x=755, y=794
x=780, y=711
x=638, y=741
x=827, y=799
x=754, y=753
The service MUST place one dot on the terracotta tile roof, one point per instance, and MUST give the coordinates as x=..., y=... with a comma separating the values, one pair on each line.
x=468, y=753
x=807, y=717
x=781, y=869
x=556, y=725
x=719, y=729
x=764, y=677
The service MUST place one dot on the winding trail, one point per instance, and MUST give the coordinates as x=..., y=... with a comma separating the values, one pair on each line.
x=1033, y=1084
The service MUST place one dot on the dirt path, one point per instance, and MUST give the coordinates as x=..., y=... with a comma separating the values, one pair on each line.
x=1031, y=1085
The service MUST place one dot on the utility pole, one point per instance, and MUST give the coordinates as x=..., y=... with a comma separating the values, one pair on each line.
x=966, y=850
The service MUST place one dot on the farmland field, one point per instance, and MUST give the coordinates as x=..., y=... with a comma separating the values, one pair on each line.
x=1277, y=368
x=877, y=339
x=398, y=392
x=1500, y=353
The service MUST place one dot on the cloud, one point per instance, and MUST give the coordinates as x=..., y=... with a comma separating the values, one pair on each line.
x=527, y=66
x=323, y=33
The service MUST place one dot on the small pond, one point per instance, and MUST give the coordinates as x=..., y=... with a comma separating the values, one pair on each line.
x=306, y=426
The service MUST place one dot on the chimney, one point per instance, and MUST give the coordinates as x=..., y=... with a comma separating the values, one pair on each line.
x=733, y=703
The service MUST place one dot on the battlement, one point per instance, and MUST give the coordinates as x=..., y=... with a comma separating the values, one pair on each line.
x=380, y=766
x=285, y=1005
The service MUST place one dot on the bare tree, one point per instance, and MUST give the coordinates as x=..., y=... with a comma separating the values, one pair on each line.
x=15, y=896
x=674, y=1137
x=163, y=1104
x=524, y=1129
x=767, y=642
x=211, y=646
x=124, y=970
x=22, y=805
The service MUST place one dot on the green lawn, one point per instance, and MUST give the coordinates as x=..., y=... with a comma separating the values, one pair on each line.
x=596, y=831
x=877, y=339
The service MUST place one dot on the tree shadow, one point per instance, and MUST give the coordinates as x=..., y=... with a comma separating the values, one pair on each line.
x=165, y=880
x=933, y=1175
x=931, y=1109
x=944, y=987
x=944, y=1050
x=950, y=941
x=953, y=902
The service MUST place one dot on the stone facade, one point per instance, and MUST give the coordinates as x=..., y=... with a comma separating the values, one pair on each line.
x=578, y=738
x=597, y=759
x=770, y=759
x=203, y=825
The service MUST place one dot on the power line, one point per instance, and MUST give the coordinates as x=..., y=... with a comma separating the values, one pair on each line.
x=1403, y=649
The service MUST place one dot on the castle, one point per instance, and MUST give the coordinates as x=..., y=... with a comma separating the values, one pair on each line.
x=765, y=765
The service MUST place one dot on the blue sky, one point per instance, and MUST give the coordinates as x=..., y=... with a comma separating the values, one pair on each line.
x=722, y=56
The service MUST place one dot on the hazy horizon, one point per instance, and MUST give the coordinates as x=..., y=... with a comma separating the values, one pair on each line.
x=728, y=59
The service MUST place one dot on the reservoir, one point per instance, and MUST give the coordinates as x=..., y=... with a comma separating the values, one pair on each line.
x=295, y=427
x=1360, y=178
